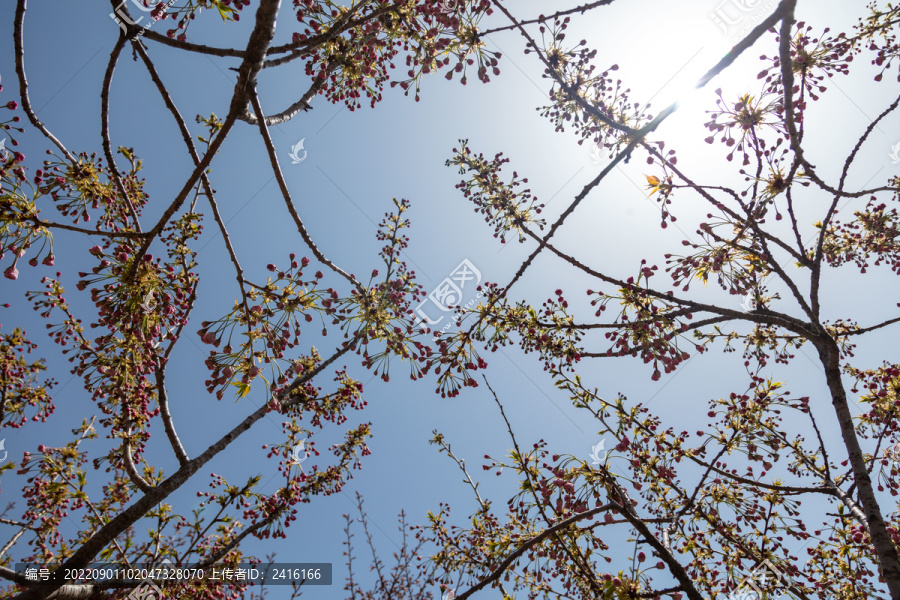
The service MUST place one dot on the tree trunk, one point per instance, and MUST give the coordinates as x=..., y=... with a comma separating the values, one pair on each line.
x=881, y=539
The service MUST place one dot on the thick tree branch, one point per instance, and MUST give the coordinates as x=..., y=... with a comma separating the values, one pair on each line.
x=636, y=138
x=204, y=179
x=686, y=584
x=768, y=317
x=829, y=353
x=885, y=550
x=260, y=38
x=125, y=519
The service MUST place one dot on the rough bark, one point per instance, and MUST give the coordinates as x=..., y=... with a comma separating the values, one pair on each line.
x=888, y=559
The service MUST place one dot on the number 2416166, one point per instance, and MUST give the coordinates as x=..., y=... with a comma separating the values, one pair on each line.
x=297, y=574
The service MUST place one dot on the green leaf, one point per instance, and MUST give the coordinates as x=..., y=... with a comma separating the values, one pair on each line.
x=224, y=11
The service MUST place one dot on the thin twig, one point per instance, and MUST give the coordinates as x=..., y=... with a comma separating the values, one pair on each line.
x=104, y=130
x=18, y=40
x=286, y=194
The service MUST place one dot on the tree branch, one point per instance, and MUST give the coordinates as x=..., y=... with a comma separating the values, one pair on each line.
x=498, y=572
x=133, y=474
x=162, y=397
x=18, y=34
x=868, y=329
x=104, y=130
x=260, y=39
x=294, y=109
x=544, y=18
x=286, y=194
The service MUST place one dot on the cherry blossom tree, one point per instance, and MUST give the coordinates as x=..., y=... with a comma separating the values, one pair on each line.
x=141, y=274
x=700, y=507
x=757, y=481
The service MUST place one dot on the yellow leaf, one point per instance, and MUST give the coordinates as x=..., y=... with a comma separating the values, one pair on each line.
x=653, y=184
x=243, y=388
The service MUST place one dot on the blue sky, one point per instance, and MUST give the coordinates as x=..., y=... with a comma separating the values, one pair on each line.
x=356, y=162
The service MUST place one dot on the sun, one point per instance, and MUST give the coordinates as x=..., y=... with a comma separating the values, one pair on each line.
x=678, y=45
